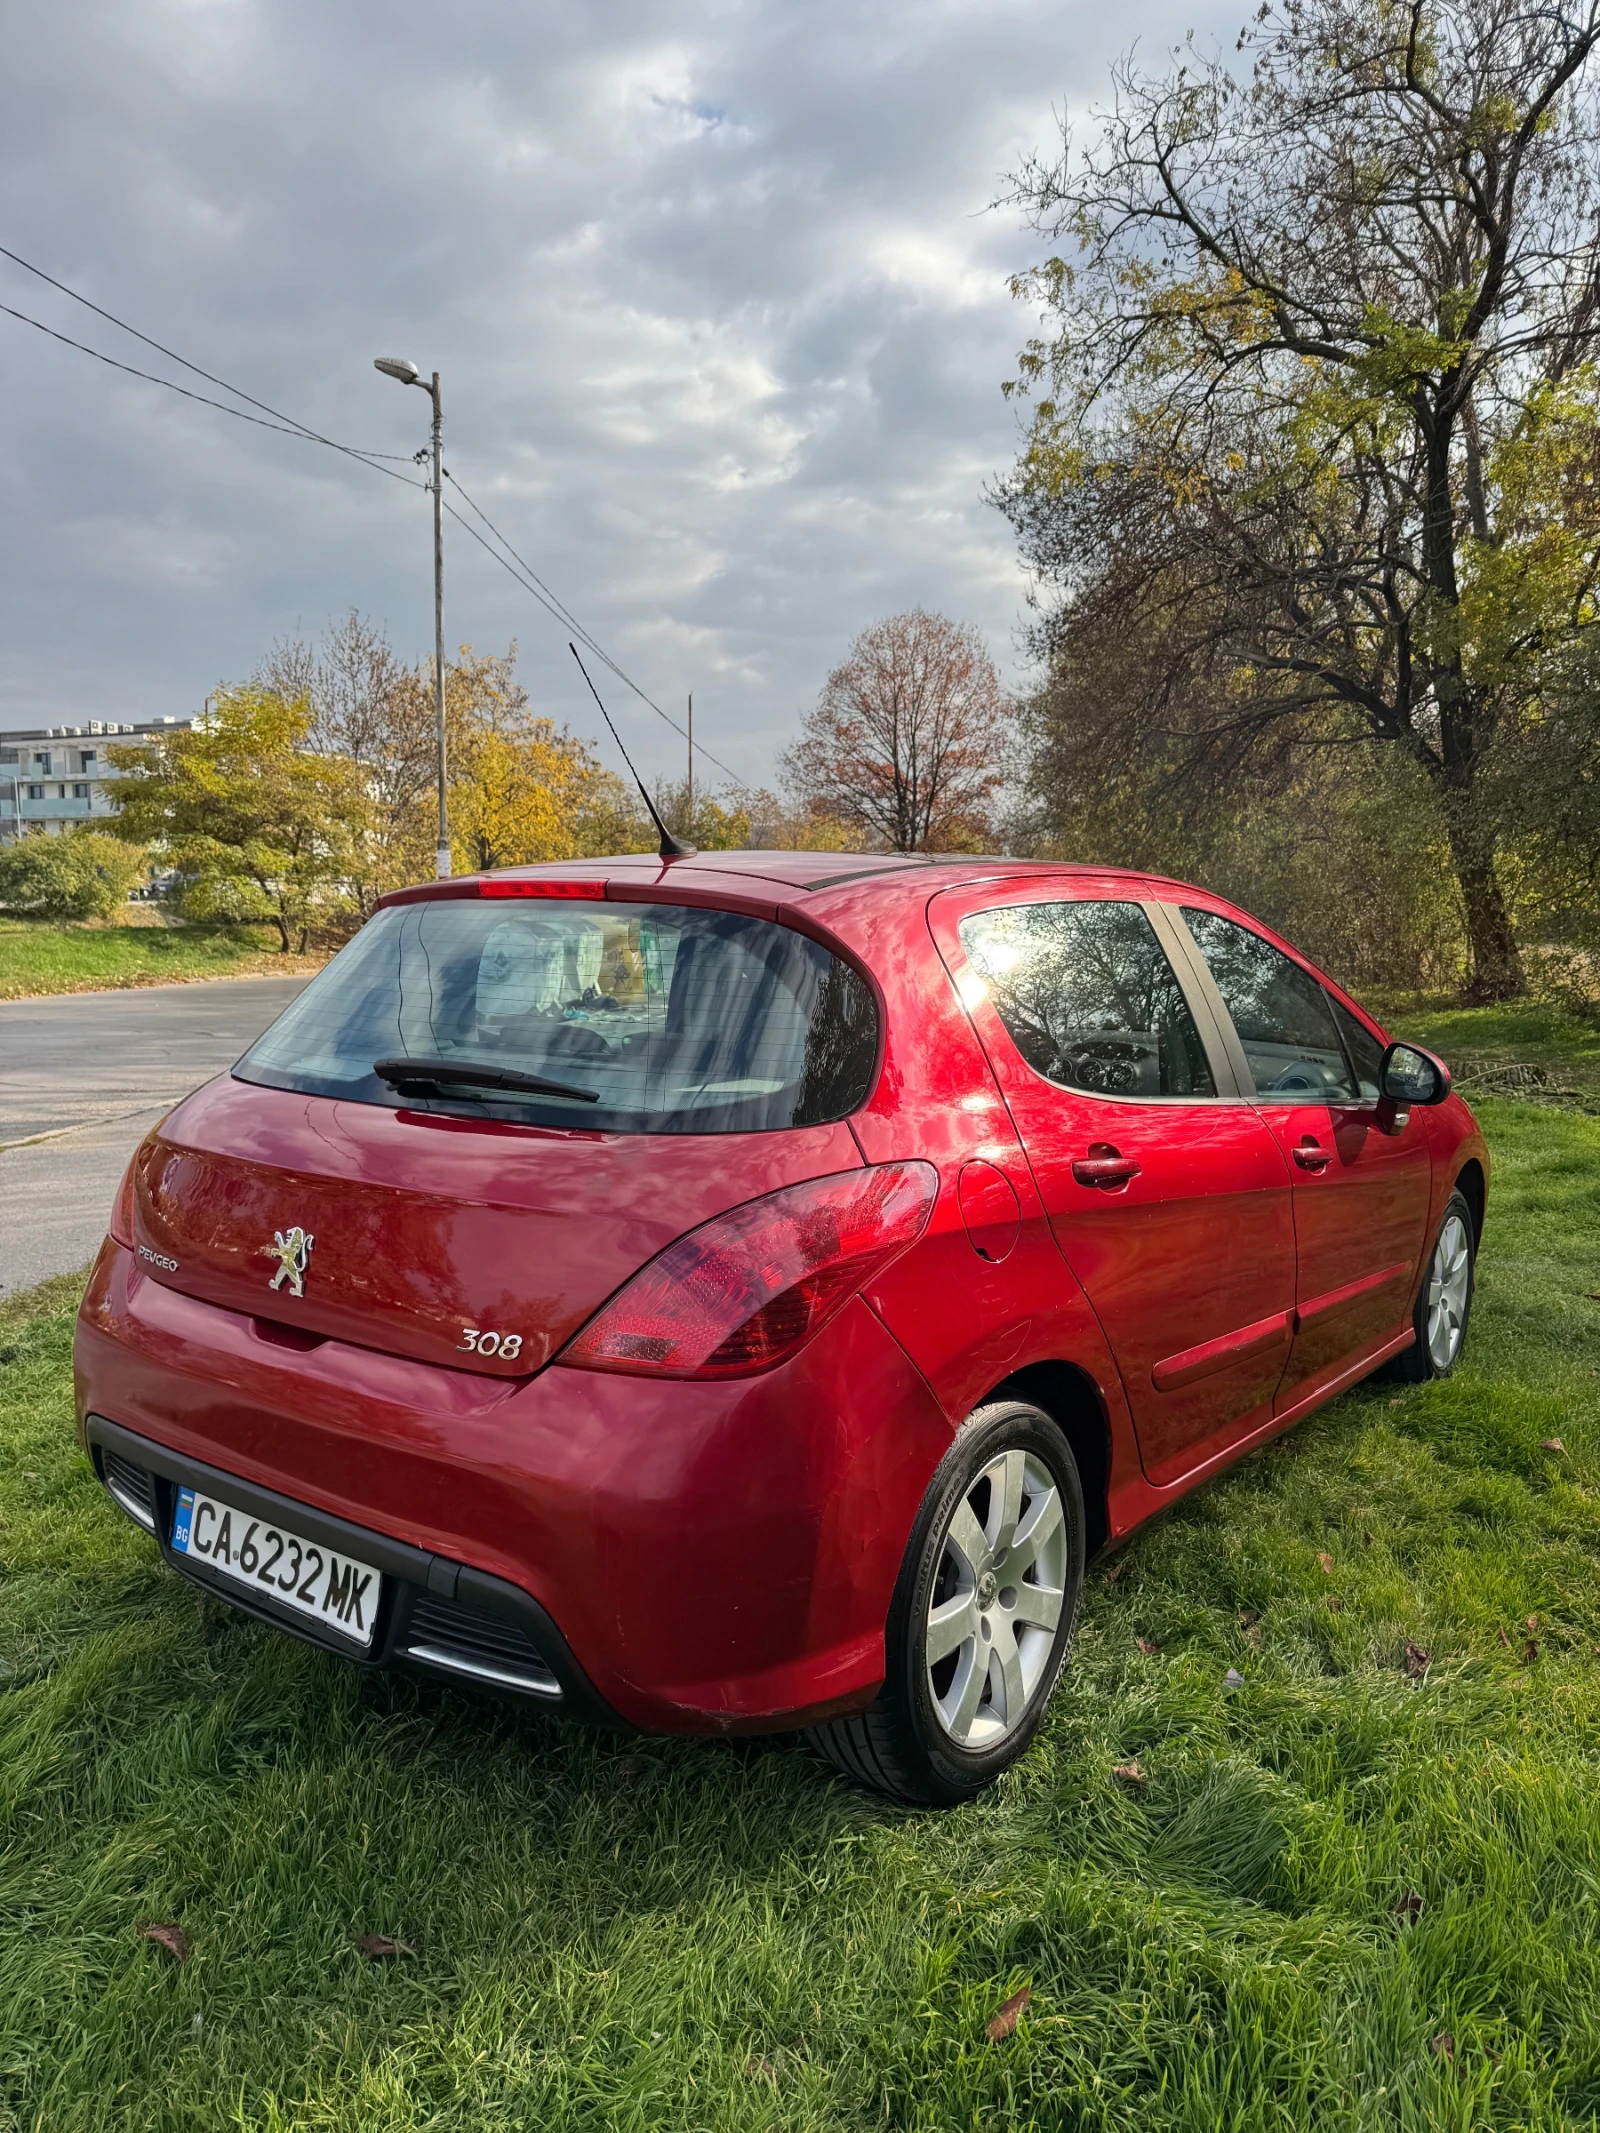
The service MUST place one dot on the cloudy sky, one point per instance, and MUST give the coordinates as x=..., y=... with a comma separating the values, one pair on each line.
x=721, y=318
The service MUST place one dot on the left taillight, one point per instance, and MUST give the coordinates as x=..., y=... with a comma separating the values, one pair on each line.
x=121, y=1223
x=745, y=1290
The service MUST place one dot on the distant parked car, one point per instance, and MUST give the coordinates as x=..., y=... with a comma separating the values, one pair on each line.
x=739, y=1293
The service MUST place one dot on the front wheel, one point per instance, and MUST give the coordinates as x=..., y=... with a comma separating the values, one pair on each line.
x=982, y=1615
x=1444, y=1302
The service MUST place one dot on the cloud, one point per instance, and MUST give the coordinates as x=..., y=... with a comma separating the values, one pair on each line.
x=719, y=313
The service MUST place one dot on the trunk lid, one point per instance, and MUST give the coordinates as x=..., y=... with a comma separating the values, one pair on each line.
x=424, y=1227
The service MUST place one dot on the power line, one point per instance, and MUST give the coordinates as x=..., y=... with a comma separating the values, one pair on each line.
x=150, y=378
x=289, y=426
x=172, y=355
x=548, y=600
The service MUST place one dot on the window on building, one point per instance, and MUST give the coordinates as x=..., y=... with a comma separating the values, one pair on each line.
x=80, y=792
x=42, y=760
x=88, y=757
x=35, y=792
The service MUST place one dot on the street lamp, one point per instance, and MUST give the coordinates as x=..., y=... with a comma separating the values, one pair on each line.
x=408, y=374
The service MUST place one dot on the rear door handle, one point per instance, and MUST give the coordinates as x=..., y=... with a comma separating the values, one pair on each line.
x=1310, y=1156
x=1104, y=1166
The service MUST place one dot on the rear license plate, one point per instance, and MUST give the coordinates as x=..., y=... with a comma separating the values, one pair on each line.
x=333, y=1590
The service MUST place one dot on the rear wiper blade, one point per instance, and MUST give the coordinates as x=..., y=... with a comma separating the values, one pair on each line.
x=460, y=1073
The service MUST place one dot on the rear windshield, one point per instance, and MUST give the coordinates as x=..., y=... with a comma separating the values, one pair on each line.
x=679, y=1021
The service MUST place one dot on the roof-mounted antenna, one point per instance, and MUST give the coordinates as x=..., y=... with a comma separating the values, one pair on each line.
x=671, y=847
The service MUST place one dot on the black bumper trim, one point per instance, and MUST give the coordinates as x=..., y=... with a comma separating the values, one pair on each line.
x=409, y=1573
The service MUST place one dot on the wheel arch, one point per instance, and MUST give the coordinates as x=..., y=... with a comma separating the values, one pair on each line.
x=1473, y=1188
x=1071, y=1399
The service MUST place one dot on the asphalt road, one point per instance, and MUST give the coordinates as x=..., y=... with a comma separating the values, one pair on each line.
x=83, y=1078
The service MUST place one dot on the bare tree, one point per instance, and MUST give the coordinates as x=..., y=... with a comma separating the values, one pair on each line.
x=365, y=703
x=1317, y=420
x=909, y=742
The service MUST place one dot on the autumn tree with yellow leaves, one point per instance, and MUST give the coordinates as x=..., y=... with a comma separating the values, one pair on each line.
x=521, y=788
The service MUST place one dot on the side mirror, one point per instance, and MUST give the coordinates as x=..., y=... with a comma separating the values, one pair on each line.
x=1410, y=1075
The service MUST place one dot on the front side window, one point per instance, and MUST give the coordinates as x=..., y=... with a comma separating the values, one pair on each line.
x=677, y=1020
x=1088, y=998
x=1362, y=1049
x=1283, y=1016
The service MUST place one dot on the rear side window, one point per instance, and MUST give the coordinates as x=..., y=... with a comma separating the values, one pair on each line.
x=1283, y=1016
x=680, y=1021
x=1088, y=998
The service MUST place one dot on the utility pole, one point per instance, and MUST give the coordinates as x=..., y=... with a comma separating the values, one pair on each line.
x=688, y=828
x=408, y=374
x=442, y=857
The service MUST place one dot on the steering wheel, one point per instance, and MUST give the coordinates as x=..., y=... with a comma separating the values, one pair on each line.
x=1305, y=1074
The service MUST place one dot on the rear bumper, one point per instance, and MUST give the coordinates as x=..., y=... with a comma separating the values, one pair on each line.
x=441, y=1617
x=681, y=1557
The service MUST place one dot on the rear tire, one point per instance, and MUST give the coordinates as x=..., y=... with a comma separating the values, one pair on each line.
x=990, y=1585
x=1444, y=1301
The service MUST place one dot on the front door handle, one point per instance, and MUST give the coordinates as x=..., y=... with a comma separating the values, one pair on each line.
x=1310, y=1155
x=1104, y=1166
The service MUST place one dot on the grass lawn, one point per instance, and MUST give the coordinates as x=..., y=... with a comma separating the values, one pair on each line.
x=41, y=956
x=1525, y=1033
x=1356, y=1893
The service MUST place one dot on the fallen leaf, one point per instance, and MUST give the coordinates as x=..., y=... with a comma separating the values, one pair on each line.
x=1444, y=2047
x=1334, y=1604
x=758, y=2067
x=1249, y=1617
x=1398, y=1400
x=1006, y=2016
x=1146, y=1645
x=1593, y=1295
x=1130, y=1773
x=172, y=1938
x=1500, y=1630
x=1530, y=1650
x=1115, y=1572
x=1233, y=1679
x=1409, y=1907
x=1551, y=1444
x=627, y=1770
x=1533, y=1624
x=1416, y=1660
x=381, y=1949
x=1325, y=1562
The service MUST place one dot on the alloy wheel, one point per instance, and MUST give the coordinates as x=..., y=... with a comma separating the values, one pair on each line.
x=1449, y=1286
x=996, y=1600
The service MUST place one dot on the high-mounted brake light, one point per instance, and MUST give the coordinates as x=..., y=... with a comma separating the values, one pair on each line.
x=743, y=1291
x=589, y=889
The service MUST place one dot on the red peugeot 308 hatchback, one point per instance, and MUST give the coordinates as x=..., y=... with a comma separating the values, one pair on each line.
x=740, y=1292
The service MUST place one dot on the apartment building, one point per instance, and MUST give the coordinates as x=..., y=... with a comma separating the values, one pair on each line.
x=54, y=776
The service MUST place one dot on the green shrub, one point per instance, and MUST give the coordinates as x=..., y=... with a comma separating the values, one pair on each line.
x=81, y=874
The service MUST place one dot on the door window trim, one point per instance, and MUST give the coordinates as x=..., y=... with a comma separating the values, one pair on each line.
x=1230, y=1070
